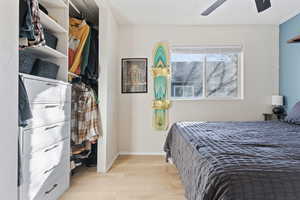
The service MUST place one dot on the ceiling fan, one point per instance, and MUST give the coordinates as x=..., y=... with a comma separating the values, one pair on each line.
x=261, y=5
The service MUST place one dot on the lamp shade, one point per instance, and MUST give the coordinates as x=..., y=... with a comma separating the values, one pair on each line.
x=277, y=100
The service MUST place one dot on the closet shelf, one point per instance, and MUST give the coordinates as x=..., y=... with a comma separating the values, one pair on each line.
x=53, y=3
x=50, y=24
x=74, y=7
x=72, y=74
x=45, y=52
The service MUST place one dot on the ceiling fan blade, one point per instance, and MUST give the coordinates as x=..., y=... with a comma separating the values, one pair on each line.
x=212, y=8
x=263, y=5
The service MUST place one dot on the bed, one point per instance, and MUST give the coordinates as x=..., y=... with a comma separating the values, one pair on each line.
x=237, y=160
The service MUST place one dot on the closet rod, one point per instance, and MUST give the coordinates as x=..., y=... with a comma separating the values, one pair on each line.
x=74, y=7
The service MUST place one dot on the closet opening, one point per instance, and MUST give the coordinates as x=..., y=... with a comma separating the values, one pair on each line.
x=60, y=125
x=83, y=57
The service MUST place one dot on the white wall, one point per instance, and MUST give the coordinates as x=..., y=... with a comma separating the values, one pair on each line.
x=108, y=144
x=112, y=87
x=9, y=98
x=136, y=134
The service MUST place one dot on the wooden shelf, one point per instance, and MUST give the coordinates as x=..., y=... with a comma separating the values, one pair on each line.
x=294, y=40
x=53, y=3
x=45, y=52
x=50, y=24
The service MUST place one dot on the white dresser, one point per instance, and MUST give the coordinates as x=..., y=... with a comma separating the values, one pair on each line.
x=45, y=142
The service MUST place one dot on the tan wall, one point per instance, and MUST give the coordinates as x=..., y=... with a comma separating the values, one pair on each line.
x=260, y=43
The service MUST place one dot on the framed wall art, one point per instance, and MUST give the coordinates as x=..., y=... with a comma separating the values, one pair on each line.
x=134, y=75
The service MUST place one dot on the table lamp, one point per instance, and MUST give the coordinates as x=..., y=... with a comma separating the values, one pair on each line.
x=277, y=103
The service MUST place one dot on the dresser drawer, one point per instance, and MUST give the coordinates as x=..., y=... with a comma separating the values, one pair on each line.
x=46, y=91
x=49, y=186
x=57, y=189
x=41, y=161
x=48, y=114
x=42, y=91
x=39, y=138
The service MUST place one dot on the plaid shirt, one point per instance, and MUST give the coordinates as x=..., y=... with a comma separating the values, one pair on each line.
x=36, y=21
x=85, y=123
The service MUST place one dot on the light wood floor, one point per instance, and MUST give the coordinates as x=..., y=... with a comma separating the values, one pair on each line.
x=131, y=178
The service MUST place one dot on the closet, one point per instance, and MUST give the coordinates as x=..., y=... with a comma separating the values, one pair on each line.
x=83, y=75
x=59, y=115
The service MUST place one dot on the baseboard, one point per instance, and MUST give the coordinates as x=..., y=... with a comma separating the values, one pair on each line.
x=112, y=162
x=142, y=153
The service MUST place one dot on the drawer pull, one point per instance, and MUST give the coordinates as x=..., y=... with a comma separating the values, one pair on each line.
x=53, y=187
x=51, y=106
x=51, y=84
x=52, y=127
x=49, y=170
x=50, y=149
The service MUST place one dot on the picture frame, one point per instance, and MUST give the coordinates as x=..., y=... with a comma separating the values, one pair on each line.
x=134, y=75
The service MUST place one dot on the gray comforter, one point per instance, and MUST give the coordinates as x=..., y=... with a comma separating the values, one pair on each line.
x=237, y=160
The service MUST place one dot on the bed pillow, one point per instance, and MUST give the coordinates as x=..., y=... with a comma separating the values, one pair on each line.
x=294, y=115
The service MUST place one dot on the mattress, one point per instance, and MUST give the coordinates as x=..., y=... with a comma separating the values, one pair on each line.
x=237, y=160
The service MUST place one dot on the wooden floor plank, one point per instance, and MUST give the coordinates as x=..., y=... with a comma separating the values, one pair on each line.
x=131, y=178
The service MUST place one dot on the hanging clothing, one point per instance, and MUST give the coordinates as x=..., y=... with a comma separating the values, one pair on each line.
x=31, y=30
x=78, y=34
x=24, y=106
x=85, y=123
x=24, y=115
x=85, y=55
x=24, y=6
x=25, y=26
x=92, y=69
x=38, y=29
x=91, y=161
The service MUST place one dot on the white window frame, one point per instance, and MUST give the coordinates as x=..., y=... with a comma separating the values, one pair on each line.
x=183, y=90
x=240, y=78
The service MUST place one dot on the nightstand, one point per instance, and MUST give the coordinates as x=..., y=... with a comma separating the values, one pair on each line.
x=269, y=116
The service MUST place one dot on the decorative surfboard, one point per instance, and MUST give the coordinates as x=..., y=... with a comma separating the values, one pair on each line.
x=161, y=73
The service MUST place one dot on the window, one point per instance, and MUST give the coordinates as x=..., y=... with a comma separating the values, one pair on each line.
x=206, y=73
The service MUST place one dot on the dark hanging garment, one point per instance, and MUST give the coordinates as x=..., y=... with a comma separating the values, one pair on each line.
x=24, y=115
x=26, y=24
x=85, y=54
x=92, y=68
x=23, y=8
x=24, y=106
x=91, y=161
